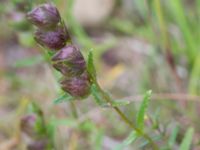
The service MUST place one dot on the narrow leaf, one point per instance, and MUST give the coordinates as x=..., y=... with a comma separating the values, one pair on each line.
x=34, y=108
x=97, y=97
x=129, y=140
x=142, y=110
x=90, y=65
x=64, y=98
x=187, y=140
x=120, y=103
x=97, y=138
x=27, y=62
x=100, y=100
x=154, y=138
x=172, y=138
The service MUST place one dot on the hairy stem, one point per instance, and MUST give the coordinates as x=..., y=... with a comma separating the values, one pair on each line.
x=124, y=118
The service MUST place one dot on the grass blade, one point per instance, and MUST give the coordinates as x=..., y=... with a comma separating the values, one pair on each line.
x=187, y=140
x=173, y=136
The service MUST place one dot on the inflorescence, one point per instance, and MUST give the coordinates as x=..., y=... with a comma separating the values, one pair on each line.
x=52, y=34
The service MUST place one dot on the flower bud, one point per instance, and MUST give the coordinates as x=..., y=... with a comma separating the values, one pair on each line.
x=54, y=39
x=27, y=125
x=69, y=61
x=78, y=86
x=44, y=16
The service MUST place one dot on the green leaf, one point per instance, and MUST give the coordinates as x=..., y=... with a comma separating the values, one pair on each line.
x=154, y=138
x=187, y=140
x=34, y=108
x=129, y=140
x=100, y=100
x=97, y=138
x=142, y=110
x=97, y=97
x=64, y=98
x=172, y=138
x=40, y=126
x=120, y=103
x=90, y=66
x=27, y=62
x=179, y=14
x=194, y=76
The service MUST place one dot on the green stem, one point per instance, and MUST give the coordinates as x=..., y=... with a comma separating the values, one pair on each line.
x=74, y=110
x=125, y=119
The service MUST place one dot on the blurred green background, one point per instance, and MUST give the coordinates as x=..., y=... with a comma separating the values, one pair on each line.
x=137, y=44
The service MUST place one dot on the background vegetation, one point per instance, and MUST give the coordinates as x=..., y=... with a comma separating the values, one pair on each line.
x=138, y=45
